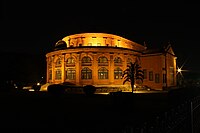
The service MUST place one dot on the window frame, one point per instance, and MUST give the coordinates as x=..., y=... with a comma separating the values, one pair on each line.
x=118, y=72
x=86, y=73
x=150, y=75
x=102, y=73
x=70, y=74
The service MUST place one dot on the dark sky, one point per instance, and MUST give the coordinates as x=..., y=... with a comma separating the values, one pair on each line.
x=34, y=27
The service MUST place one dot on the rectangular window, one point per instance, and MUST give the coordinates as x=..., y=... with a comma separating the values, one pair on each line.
x=145, y=73
x=118, y=74
x=70, y=74
x=157, y=78
x=58, y=74
x=171, y=75
x=171, y=79
x=86, y=73
x=102, y=75
x=164, y=78
x=151, y=76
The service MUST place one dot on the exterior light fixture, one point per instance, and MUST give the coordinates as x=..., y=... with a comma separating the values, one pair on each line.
x=179, y=70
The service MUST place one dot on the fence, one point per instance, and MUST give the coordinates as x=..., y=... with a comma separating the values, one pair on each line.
x=185, y=118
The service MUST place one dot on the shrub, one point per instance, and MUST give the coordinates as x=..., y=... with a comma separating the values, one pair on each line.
x=56, y=88
x=89, y=89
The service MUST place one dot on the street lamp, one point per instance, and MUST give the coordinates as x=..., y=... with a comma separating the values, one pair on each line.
x=179, y=70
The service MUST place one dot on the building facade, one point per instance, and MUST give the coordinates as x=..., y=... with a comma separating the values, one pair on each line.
x=159, y=66
x=99, y=59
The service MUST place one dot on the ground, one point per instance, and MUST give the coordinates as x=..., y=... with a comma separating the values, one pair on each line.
x=79, y=113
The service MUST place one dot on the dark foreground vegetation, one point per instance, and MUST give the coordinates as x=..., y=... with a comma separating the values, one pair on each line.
x=23, y=111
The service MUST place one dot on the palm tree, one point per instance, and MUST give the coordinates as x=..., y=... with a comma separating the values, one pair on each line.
x=132, y=74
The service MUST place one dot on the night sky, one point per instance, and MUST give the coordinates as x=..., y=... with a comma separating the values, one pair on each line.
x=30, y=29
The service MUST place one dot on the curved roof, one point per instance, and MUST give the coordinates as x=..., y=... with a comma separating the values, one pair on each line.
x=101, y=37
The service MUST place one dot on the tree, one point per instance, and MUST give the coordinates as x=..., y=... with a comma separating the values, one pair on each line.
x=132, y=74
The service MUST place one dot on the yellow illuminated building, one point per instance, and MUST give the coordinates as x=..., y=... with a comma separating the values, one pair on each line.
x=99, y=59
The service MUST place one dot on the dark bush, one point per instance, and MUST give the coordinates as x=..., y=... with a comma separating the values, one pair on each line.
x=89, y=89
x=6, y=86
x=183, y=94
x=56, y=89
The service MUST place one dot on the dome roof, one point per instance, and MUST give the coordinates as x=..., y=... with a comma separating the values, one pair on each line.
x=60, y=45
x=60, y=42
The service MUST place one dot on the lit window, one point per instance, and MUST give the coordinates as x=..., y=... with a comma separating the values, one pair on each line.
x=103, y=73
x=86, y=73
x=58, y=74
x=70, y=73
x=118, y=73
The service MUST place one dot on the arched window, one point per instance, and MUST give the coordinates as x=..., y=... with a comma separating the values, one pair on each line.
x=118, y=61
x=70, y=61
x=117, y=73
x=58, y=62
x=58, y=74
x=86, y=61
x=86, y=73
x=70, y=73
x=103, y=73
x=102, y=61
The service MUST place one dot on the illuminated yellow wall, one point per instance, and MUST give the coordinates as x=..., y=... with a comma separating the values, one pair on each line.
x=101, y=39
x=164, y=65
